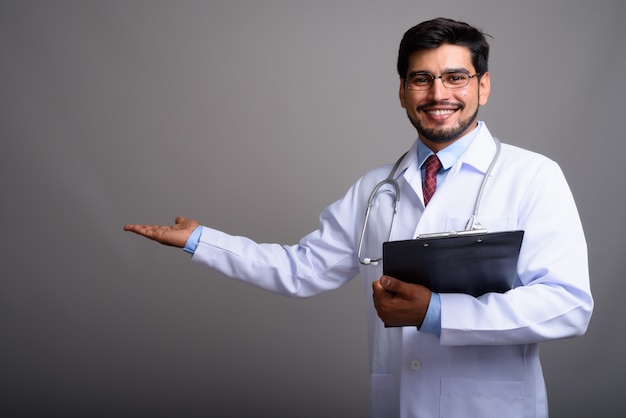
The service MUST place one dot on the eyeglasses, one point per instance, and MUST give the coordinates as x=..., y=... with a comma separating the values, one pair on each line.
x=451, y=80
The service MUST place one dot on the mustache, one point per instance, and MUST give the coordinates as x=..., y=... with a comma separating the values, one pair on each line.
x=441, y=103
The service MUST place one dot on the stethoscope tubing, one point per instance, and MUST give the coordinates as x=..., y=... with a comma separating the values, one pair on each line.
x=472, y=223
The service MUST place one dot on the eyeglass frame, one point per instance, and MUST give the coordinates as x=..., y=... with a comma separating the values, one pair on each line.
x=435, y=77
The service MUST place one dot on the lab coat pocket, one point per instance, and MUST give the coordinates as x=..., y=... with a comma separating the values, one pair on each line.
x=490, y=223
x=465, y=397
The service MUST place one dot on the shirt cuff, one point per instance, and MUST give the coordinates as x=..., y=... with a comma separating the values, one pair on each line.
x=432, y=320
x=193, y=240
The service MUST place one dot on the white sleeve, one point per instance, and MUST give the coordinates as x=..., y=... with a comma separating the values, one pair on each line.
x=552, y=297
x=323, y=260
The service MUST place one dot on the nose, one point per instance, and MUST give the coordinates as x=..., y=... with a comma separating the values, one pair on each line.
x=437, y=90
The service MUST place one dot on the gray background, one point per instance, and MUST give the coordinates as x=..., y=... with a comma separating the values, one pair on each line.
x=252, y=116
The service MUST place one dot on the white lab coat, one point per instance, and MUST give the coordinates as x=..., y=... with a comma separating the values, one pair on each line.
x=486, y=362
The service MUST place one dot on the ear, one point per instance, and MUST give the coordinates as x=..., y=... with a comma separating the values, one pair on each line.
x=402, y=94
x=485, y=88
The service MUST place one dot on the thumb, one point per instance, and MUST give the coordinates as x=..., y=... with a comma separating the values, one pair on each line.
x=390, y=284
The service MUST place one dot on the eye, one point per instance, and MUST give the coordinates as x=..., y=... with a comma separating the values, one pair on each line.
x=421, y=79
x=455, y=78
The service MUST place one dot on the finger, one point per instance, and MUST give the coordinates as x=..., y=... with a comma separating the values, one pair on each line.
x=378, y=294
x=377, y=287
x=390, y=284
x=148, y=231
x=133, y=227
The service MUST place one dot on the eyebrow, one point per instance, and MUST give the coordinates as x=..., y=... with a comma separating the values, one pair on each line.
x=446, y=71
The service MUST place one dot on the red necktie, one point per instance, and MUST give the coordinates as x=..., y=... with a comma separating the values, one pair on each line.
x=430, y=180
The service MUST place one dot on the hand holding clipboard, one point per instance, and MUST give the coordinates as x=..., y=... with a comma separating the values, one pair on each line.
x=471, y=262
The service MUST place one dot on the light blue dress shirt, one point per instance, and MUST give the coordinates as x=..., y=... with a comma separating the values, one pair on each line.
x=448, y=157
x=194, y=239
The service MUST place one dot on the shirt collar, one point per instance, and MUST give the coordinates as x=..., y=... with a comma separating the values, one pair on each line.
x=450, y=154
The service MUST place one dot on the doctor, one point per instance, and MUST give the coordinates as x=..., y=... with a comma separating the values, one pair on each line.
x=449, y=355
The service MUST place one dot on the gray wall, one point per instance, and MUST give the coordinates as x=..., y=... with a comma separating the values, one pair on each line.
x=252, y=117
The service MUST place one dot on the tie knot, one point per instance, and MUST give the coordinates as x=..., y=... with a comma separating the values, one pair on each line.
x=432, y=164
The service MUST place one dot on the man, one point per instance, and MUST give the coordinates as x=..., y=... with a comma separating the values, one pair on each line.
x=448, y=354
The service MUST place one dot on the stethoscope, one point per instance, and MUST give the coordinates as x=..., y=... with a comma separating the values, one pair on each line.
x=472, y=223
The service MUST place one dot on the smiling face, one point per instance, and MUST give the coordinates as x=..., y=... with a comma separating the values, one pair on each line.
x=442, y=116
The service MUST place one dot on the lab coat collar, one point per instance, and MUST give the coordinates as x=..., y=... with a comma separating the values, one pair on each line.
x=480, y=152
x=478, y=155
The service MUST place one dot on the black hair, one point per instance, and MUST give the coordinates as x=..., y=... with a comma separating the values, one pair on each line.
x=434, y=33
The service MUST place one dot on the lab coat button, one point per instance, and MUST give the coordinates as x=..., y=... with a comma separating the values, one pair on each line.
x=415, y=364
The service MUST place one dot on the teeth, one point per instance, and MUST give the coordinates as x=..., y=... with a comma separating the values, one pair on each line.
x=440, y=112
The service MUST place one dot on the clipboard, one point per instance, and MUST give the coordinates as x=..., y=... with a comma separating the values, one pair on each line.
x=471, y=262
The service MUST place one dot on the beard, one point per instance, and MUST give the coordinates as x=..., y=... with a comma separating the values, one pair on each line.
x=443, y=136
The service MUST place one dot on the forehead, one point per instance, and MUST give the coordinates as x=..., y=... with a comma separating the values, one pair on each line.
x=440, y=59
